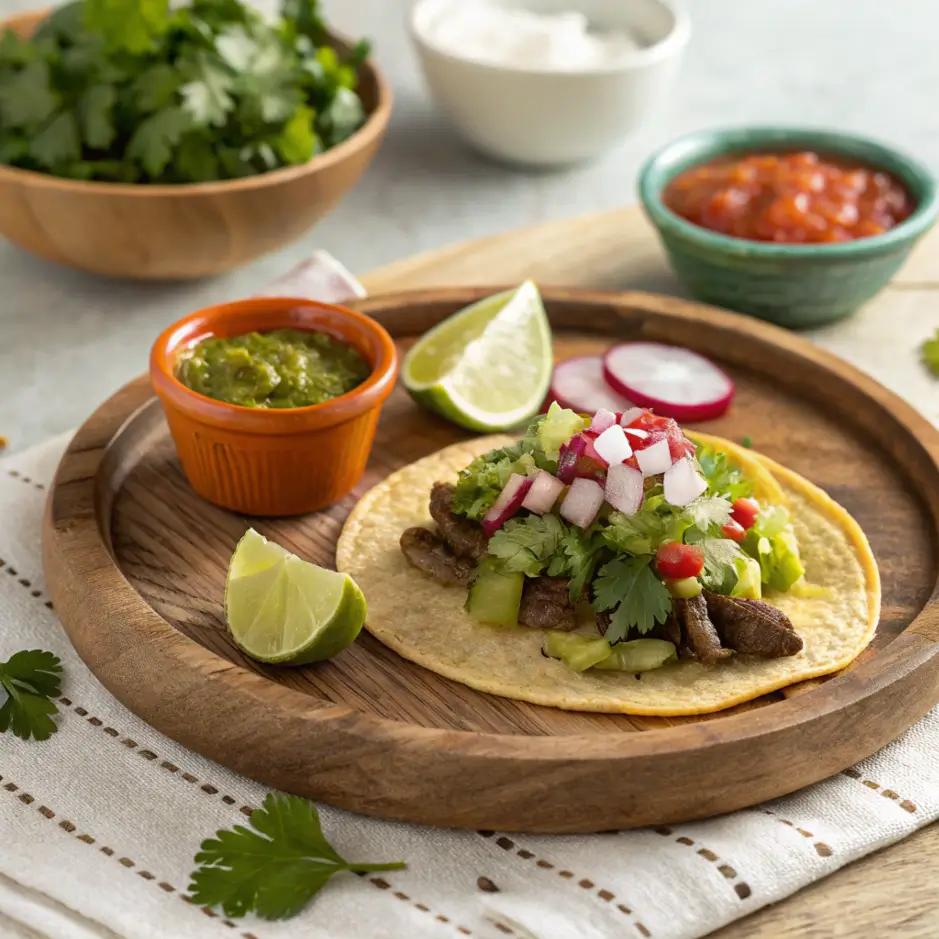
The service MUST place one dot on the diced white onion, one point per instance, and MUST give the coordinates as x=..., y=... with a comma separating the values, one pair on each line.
x=682, y=484
x=582, y=502
x=612, y=446
x=629, y=416
x=655, y=459
x=601, y=420
x=544, y=492
x=636, y=432
x=624, y=489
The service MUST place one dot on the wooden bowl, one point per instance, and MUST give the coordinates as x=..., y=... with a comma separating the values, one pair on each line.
x=163, y=232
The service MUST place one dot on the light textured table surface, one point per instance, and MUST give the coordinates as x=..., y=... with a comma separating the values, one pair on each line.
x=69, y=339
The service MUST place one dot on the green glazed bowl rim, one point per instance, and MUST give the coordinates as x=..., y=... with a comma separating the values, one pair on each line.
x=701, y=146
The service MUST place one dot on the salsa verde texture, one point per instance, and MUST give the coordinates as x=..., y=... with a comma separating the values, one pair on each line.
x=284, y=368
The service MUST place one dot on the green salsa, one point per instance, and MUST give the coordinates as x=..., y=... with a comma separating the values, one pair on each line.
x=284, y=368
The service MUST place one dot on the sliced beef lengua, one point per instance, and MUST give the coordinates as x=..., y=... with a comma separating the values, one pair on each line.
x=698, y=637
x=428, y=552
x=546, y=604
x=465, y=538
x=753, y=627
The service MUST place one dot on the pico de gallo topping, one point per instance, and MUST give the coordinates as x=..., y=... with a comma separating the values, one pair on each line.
x=621, y=516
x=789, y=198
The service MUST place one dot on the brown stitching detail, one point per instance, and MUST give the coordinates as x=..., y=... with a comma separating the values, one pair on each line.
x=486, y=885
x=11, y=787
x=821, y=849
x=111, y=732
x=380, y=882
x=383, y=884
x=46, y=812
x=211, y=790
x=130, y=744
x=208, y=911
x=741, y=889
x=95, y=721
x=400, y=895
x=67, y=826
x=148, y=754
x=169, y=767
x=441, y=918
x=168, y=888
x=27, y=799
x=463, y=930
x=109, y=852
x=190, y=778
x=87, y=839
x=245, y=809
x=604, y=894
x=13, y=474
x=228, y=800
x=65, y=702
x=146, y=875
x=49, y=605
x=126, y=862
x=421, y=907
x=503, y=928
x=81, y=712
x=905, y=804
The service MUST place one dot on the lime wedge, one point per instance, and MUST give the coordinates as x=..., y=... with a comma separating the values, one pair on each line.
x=488, y=366
x=285, y=611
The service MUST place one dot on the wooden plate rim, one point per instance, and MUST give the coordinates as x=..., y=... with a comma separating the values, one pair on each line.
x=76, y=535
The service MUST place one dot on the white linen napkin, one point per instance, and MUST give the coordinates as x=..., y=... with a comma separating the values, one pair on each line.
x=100, y=823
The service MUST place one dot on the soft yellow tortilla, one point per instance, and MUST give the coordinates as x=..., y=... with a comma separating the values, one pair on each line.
x=424, y=621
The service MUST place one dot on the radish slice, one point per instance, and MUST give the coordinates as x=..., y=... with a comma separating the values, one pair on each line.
x=624, y=489
x=682, y=484
x=655, y=459
x=509, y=502
x=543, y=493
x=612, y=446
x=602, y=420
x=579, y=384
x=676, y=382
x=582, y=502
x=627, y=417
x=571, y=452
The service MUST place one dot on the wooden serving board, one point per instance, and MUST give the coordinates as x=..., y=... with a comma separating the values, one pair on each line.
x=136, y=564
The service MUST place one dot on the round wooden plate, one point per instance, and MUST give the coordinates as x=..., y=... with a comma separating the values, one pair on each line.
x=136, y=564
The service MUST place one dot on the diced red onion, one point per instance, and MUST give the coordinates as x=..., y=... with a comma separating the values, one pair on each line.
x=655, y=459
x=682, y=483
x=612, y=445
x=602, y=420
x=591, y=452
x=543, y=493
x=627, y=417
x=571, y=452
x=582, y=502
x=624, y=489
x=509, y=502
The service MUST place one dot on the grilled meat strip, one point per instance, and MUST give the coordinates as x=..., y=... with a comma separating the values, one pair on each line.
x=752, y=627
x=546, y=604
x=428, y=552
x=698, y=637
x=465, y=538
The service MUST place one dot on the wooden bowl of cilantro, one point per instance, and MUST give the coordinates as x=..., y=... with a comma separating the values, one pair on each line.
x=139, y=141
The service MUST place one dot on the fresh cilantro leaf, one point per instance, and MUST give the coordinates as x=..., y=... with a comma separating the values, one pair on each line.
x=306, y=17
x=95, y=114
x=629, y=587
x=128, y=25
x=155, y=88
x=13, y=149
x=14, y=51
x=26, y=99
x=637, y=534
x=58, y=142
x=196, y=161
x=207, y=98
x=29, y=679
x=297, y=142
x=528, y=544
x=582, y=552
x=708, y=512
x=724, y=479
x=64, y=24
x=747, y=442
x=720, y=556
x=273, y=868
x=156, y=138
x=237, y=49
x=343, y=117
x=929, y=351
x=479, y=484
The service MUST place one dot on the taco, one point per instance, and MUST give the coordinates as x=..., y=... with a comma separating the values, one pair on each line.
x=612, y=563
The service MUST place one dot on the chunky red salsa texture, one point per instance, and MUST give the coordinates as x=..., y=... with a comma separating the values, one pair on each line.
x=792, y=198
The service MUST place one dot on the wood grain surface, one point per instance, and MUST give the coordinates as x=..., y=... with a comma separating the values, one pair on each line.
x=175, y=232
x=375, y=734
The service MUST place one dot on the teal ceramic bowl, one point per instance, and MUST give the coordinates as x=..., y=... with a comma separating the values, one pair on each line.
x=793, y=285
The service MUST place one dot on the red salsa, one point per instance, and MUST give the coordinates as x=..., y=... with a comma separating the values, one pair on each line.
x=793, y=198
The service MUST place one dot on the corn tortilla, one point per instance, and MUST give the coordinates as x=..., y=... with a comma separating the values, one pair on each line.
x=423, y=620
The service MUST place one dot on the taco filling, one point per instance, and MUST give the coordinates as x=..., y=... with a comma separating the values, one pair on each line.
x=561, y=567
x=624, y=516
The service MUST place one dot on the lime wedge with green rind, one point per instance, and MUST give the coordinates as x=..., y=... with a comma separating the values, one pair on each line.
x=283, y=610
x=487, y=367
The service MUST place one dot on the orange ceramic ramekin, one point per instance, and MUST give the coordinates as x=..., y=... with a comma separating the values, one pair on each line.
x=268, y=462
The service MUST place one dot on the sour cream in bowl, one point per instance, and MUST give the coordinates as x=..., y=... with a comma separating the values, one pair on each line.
x=547, y=82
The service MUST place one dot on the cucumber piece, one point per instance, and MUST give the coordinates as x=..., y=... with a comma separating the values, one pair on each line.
x=686, y=588
x=638, y=655
x=576, y=652
x=749, y=578
x=495, y=597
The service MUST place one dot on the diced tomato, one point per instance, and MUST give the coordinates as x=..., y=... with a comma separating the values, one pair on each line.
x=677, y=561
x=657, y=428
x=745, y=511
x=734, y=530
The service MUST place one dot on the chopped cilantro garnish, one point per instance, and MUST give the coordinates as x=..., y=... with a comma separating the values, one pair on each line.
x=747, y=442
x=723, y=478
x=637, y=597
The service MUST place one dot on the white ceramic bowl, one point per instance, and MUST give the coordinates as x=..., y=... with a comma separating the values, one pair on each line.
x=549, y=118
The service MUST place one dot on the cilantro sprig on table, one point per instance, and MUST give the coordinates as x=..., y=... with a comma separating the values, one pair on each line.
x=275, y=867
x=28, y=682
x=134, y=91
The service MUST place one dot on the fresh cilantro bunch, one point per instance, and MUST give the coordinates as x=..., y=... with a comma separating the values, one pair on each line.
x=131, y=91
x=272, y=868
x=28, y=682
